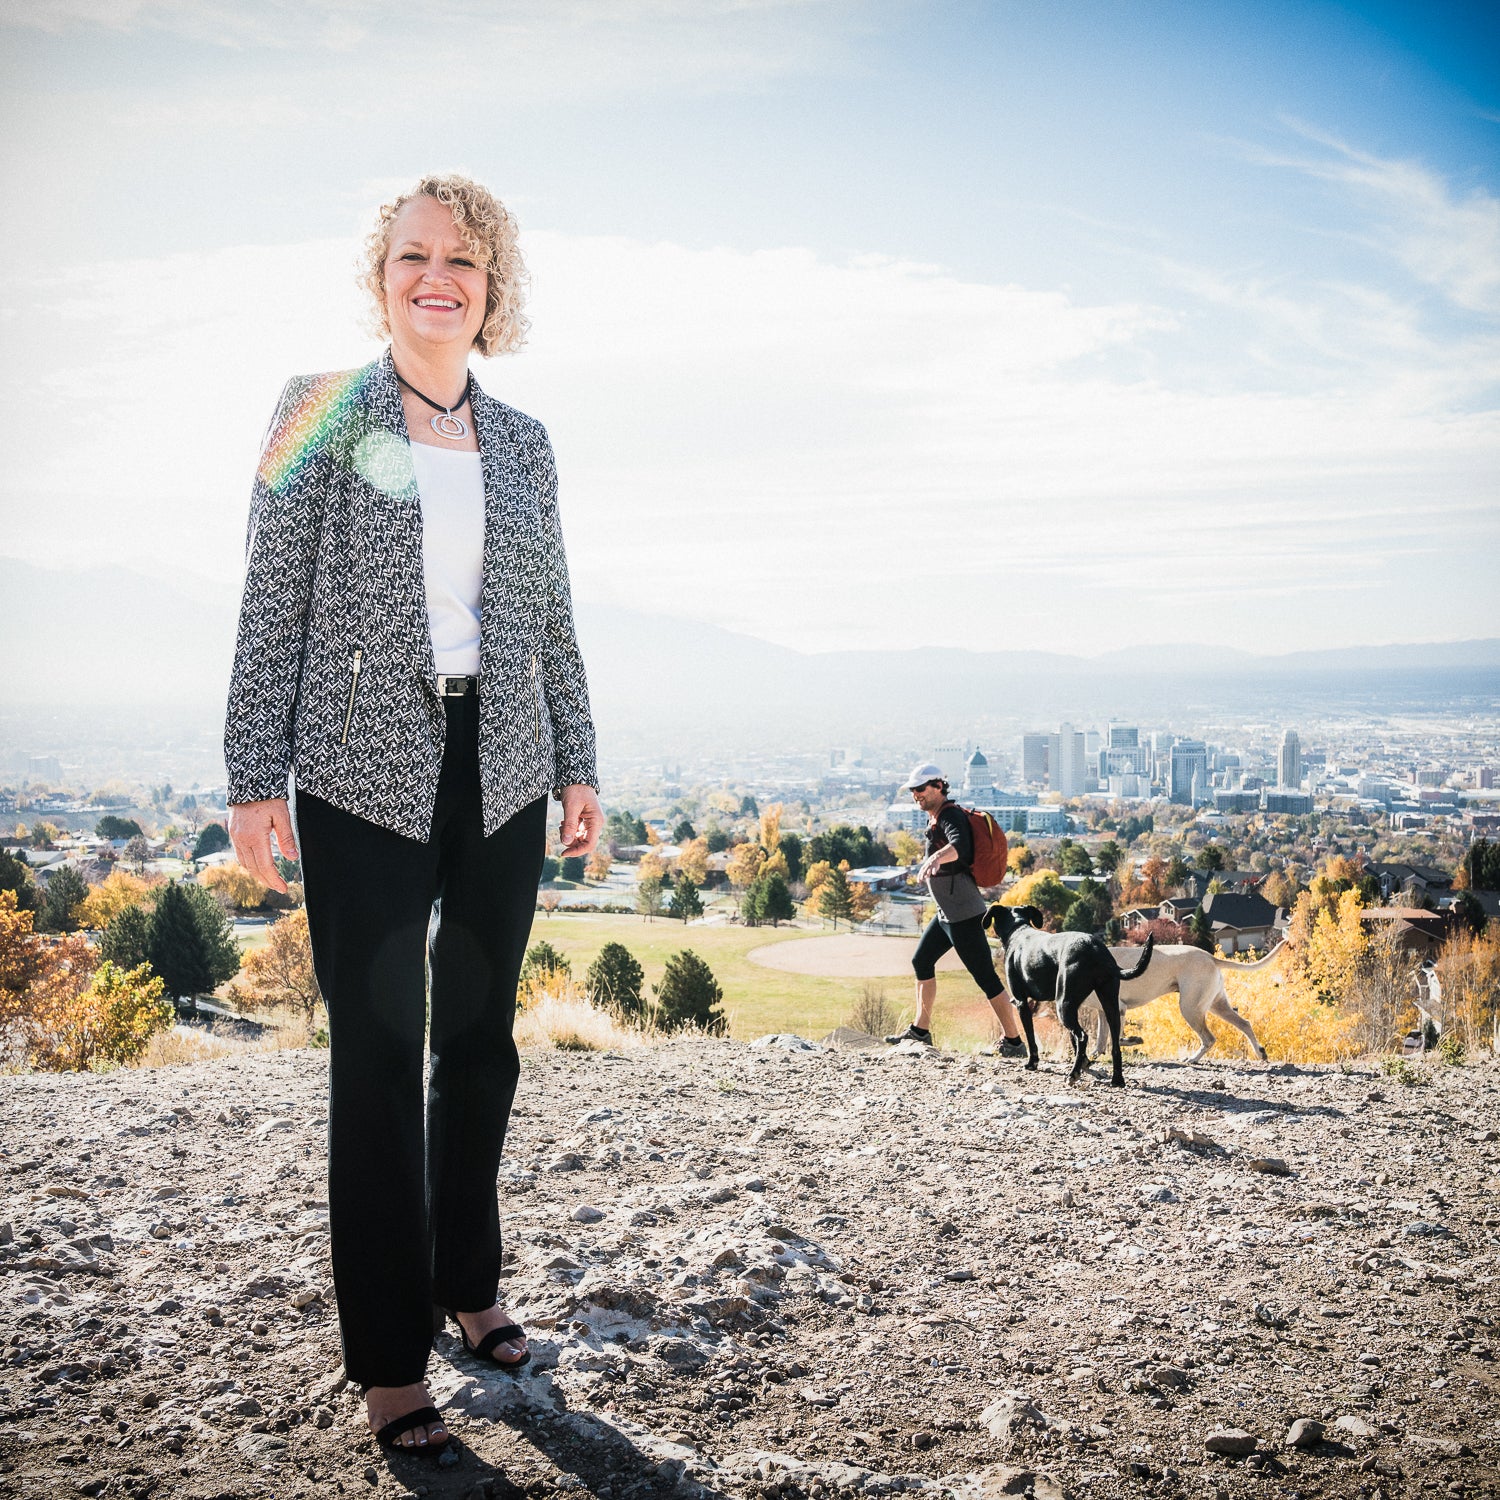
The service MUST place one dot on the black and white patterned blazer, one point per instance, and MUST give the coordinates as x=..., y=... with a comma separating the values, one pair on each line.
x=334, y=680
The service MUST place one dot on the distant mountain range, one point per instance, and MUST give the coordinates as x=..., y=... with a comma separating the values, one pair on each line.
x=116, y=637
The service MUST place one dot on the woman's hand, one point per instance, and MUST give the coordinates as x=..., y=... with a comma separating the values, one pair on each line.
x=582, y=820
x=251, y=825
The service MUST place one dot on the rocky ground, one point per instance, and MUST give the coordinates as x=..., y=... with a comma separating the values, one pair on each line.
x=773, y=1270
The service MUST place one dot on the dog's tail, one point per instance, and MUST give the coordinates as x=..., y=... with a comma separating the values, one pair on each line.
x=1260, y=963
x=1142, y=961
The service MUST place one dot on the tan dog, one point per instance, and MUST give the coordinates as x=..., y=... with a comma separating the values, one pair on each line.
x=1196, y=977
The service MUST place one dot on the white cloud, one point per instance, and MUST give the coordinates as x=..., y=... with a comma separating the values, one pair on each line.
x=1448, y=241
x=823, y=453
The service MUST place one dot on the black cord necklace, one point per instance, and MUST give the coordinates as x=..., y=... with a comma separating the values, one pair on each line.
x=455, y=429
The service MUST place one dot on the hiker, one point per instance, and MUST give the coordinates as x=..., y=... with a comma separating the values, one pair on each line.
x=948, y=870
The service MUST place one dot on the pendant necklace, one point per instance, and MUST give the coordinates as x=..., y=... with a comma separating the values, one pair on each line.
x=445, y=424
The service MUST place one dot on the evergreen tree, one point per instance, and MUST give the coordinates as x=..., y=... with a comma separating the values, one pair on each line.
x=648, y=898
x=1177, y=870
x=1087, y=914
x=1469, y=914
x=776, y=905
x=212, y=837
x=1211, y=857
x=186, y=940
x=716, y=839
x=686, y=902
x=573, y=868
x=683, y=832
x=614, y=981
x=112, y=827
x=126, y=939
x=15, y=876
x=791, y=852
x=1202, y=930
x=753, y=904
x=749, y=808
x=64, y=890
x=688, y=995
x=835, y=900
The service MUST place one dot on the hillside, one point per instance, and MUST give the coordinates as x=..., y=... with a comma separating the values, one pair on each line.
x=765, y=1271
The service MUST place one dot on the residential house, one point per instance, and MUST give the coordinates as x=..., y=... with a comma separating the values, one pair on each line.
x=1242, y=920
x=1419, y=931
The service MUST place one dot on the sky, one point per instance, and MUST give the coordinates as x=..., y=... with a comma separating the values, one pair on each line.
x=1007, y=326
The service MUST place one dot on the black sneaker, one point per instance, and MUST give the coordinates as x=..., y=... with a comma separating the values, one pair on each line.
x=1012, y=1046
x=912, y=1034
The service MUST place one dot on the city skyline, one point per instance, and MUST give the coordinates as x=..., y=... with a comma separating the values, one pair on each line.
x=1045, y=328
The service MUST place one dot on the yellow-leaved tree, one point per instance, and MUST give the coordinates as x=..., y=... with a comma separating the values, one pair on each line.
x=279, y=973
x=770, y=829
x=692, y=860
x=108, y=1018
x=105, y=901
x=599, y=863
x=235, y=884
x=906, y=848
x=745, y=861
x=815, y=879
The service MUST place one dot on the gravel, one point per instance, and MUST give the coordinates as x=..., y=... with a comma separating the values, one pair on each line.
x=785, y=1271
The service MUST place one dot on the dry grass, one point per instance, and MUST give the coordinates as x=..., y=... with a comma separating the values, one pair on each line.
x=872, y=1013
x=556, y=1013
x=185, y=1044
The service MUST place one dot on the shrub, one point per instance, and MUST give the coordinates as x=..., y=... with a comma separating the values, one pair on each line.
x=688, y=995
x=1451, y=1049
x=110, y=1019
x=1405, y=1072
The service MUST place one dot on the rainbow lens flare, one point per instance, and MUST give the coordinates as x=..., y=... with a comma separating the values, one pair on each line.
x=300, y=433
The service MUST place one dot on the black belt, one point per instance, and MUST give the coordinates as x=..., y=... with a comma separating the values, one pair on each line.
x=456, y=687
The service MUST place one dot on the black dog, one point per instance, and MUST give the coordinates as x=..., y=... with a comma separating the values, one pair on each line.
x=1065, y=967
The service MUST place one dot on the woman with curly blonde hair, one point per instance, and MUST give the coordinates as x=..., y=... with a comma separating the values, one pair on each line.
x=407, y=667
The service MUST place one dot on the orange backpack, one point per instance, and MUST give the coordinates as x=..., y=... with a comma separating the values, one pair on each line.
x=991, y=851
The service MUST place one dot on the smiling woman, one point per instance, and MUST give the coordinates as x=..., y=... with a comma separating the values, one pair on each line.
x=487, y=250
x=407, y=657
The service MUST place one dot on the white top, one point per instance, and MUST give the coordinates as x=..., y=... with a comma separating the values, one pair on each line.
x=451, y=484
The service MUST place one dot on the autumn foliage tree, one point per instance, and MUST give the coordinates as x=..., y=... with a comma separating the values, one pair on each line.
x=279, y=973
x=61, y=1009
x=105, y=901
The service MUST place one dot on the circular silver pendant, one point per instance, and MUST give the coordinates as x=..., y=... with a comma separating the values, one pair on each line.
x=450, y=427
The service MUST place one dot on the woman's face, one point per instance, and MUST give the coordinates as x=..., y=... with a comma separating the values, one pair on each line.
x=434, y=285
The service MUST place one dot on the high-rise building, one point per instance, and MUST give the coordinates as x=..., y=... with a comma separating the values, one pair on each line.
x=1124, y=755
x=1289, y=764
x=953, y=759
x=1068, y=762
x=1189, y=760
x=1034, y=757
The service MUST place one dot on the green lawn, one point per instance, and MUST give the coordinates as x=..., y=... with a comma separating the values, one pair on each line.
x=759, y=1000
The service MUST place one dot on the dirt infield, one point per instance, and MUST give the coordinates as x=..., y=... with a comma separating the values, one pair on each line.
x=845, y=955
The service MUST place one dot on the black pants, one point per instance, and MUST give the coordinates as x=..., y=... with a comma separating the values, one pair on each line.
x=968, y=938
x=414, y=1222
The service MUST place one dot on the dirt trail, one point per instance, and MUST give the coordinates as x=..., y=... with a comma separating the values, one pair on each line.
x=768, y=1271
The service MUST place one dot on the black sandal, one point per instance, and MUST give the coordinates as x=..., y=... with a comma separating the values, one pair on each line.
x=424, y=1416
x=507, y=1333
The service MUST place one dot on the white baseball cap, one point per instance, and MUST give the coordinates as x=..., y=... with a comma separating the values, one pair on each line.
x=922, y=774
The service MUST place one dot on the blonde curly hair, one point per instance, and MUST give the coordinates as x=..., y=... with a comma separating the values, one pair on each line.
x=490, y=233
